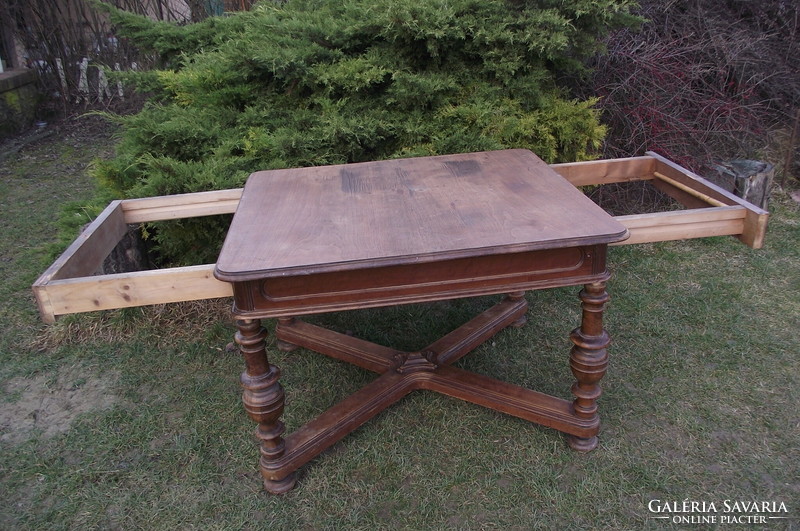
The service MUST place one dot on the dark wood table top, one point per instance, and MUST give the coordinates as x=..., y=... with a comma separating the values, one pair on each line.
x=405, y=211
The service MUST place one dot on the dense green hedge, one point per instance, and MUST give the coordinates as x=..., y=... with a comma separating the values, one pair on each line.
x=331, y=81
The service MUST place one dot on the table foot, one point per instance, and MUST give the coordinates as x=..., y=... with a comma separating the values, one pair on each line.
x=284, y=346
x=519, y=323
x=281, y=486
x=582, y=444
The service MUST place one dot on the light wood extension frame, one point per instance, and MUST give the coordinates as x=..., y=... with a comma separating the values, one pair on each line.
x=70, y=285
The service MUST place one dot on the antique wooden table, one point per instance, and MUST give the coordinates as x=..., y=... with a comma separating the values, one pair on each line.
x=352, y=236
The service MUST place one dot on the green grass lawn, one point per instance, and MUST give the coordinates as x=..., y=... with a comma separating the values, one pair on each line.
x=132, y=419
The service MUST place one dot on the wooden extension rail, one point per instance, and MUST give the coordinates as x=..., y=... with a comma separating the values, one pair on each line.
x=70, y=285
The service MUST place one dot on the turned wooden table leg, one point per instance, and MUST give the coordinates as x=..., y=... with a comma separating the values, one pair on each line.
x=517, y=296
x=263, y=398
x=282, y=345
x=589, y=360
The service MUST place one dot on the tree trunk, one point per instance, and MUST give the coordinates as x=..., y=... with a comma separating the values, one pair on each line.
x=749, y=179
x=128, y=256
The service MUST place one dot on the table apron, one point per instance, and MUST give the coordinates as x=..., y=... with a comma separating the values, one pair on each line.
x=419, y=282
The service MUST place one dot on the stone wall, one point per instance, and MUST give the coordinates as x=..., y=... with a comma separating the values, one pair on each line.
x=19, y=97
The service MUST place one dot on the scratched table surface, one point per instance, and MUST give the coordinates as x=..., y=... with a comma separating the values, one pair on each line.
x=403, y=211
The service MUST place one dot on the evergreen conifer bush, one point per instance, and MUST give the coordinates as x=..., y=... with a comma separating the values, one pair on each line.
x=313, y=82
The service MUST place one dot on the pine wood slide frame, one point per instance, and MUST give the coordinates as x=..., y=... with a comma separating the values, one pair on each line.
x=70, y=285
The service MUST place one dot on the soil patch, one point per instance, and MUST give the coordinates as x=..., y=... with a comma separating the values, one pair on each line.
x=48, y=404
